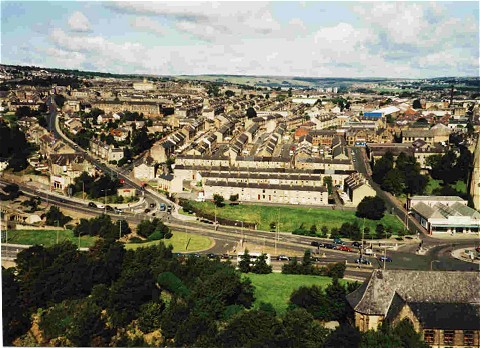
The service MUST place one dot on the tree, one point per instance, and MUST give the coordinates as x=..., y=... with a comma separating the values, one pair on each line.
x=344, y=336
x=229, y=93
x=153, y=230
x=260, y=265
x=54, y=215
x=335, y=270
x=314, y=300
x=218, y=200
x=416, y=104
x=338, y=304
x=324, y=231
x=234, y=198
x=327, y=181
x=380, y=231
x=149, y=317
x=88, y=326
x=394, y=182
x=14, y=315
x=244, y=263
x=253, y=328
x=251, y=113
x=301, y=330
x=382, y=167
x=371, y=208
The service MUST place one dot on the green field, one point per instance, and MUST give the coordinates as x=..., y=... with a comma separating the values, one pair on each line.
x=47, y=237
x=179, y=242
x=291, y=218
x=433, y=184
x=460, y=186
x=276, y=288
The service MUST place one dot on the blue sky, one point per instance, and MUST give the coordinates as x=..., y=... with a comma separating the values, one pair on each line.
x=320, y=39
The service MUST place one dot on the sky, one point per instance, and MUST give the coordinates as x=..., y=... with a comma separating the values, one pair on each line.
x=314, y=39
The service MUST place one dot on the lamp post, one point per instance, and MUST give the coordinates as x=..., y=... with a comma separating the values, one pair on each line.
x=105, y=202
x=58, y=223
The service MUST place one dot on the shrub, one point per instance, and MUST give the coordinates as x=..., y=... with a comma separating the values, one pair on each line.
x=172, y=283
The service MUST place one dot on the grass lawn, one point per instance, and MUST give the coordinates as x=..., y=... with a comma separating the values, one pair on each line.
x=460, y=186
x=179, y=242
x=291, y=217
x=47, y=237
x=276, y=288
x=432, y=185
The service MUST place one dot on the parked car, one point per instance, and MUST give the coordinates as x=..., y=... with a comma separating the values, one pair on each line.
x=368, y=251
x=147, y=211
x=283, y=258
x=226, y=257
x=169, y=208
x=109, y=208
x=152, y=205
x=92, y=205
x=100, y=206
x=363, y=261
x=163, y=207
x=356, y=244
x=385, y=259
x=316, y=244
x=118, y=210
x=344, y=248
x=212, y=256
x=338, y=241
x=329, y=246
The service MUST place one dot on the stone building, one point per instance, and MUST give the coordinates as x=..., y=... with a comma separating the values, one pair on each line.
x=443, y=306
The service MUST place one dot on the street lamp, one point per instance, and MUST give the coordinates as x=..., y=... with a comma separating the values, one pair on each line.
x=58, y=223
x=105, y=190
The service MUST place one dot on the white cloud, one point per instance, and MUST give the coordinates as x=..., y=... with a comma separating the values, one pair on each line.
x=148, y=24
x=209, y=21
x=237, y=38
x=78, y=22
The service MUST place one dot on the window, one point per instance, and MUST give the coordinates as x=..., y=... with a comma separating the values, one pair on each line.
x=468, y=338
x=448, y=336
x=429, y=336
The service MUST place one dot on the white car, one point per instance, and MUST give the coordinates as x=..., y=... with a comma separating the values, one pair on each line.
x=100, y=206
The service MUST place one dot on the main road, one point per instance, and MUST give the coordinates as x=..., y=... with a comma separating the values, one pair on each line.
x=395, y=207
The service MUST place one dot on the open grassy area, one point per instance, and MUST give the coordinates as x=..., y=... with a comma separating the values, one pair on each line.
x=276, y=288
x=179, y=242
x=432, y=185
x=291, y=218
x=47, y=237
x=460, y=186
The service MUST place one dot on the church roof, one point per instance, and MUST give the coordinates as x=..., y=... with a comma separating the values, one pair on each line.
x=376, y=295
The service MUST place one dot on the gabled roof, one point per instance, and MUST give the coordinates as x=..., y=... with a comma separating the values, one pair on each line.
x=376, y=295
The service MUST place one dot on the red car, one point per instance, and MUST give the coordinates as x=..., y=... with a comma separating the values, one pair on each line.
x=344, y=248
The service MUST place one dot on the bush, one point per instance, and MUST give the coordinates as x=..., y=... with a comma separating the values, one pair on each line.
x=172, y=283
x=335, y=270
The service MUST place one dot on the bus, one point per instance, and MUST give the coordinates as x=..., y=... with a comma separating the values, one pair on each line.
x=254, y=257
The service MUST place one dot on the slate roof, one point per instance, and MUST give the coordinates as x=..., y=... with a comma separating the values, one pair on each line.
x=438, y=289
x=442, y=211
x=447, y=316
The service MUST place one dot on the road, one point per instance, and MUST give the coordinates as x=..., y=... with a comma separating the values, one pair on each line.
x=434, y=245
x=227, y=237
